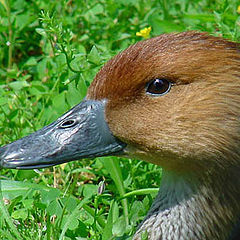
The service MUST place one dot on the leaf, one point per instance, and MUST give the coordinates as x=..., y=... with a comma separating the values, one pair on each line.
x=50, y=194
x=41, y=31
x=73, y=215
x=72, y=225
x=94, y=56
x=70, y=203
x=89, y=190
x=59, y=102
x=81, y=50
x=18, y=85
x=97, y=9
x=13, y=114
x=119, y=227
x=20, y=214
x=115, y=211
x=73, y=95
x=28, y=203
x=83, y=230
x=31, y=62
x=112, y=218
x=61, y=60
x=25, y=174
x=22, y=20
x=200, y=17
x=127, y=2
x=54, y=208
x=12, y=189
x=3, y=101
x=3, y=2
x=41, y=68
x=161, y=26
x=113, y=167
x=107, y=231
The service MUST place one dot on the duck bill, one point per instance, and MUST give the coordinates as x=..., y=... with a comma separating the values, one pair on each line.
x=82, y=132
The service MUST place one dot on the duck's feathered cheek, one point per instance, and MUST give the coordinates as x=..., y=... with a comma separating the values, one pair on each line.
x=82, y=132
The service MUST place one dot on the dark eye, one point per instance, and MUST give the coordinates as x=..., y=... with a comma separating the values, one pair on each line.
x=158, y=86
x=68, y=123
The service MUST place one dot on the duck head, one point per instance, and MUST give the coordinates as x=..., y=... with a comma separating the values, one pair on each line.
x=172, y=100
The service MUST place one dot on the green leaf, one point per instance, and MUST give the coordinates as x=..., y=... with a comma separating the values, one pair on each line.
x=142, y=192
x=73, y=224
x=22, y=20
x=54, y=208
x=19, y=4
x=73, y=95
x=59, y=102
x=72, y=216
x=12, y=189
x=3, y=101
x=28, y=203
x=70, y=203
x=25, y=174
x=113, y=167
x=89, y=190
x=127, y=2
x=20, y=214
x=83, y=230
x=201, y=17
x=115, y=211
x=107, y=231
x=41, y=31
x=97, y=9
x=94, y=56
x=31, y=62
x=112, y=217
x=119, y=227
x=50, y=194
x=18, y=85
x=61, y=61
x=4, y=3
x=41, y=68
x=81, y=50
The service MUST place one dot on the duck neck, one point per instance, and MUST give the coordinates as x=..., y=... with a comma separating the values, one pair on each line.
x=187, y=207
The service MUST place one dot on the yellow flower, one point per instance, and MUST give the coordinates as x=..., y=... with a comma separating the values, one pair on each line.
x=238, y=9
x=144, y=32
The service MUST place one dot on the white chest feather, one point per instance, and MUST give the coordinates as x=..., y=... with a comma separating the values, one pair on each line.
x=181, y=212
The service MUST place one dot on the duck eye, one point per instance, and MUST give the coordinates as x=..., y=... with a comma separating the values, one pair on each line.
x=68, y=123
x=158, y=86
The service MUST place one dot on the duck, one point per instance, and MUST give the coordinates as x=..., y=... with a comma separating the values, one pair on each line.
x=174, y=101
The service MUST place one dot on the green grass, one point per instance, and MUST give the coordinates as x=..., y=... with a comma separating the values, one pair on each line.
x=50, y=52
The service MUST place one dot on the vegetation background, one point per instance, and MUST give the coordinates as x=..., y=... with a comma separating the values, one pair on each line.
x=50, y=52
